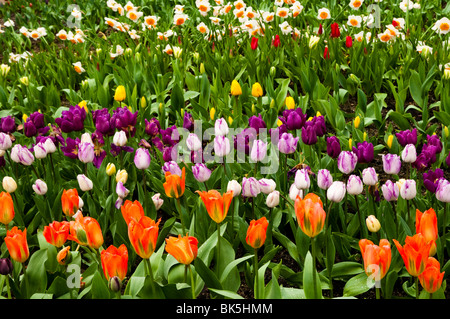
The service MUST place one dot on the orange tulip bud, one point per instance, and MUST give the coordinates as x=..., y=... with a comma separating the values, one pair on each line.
x=377, y=259
x=6, y=208
x=16, y=242
x=86, y=231
x=175, y=185
x=426, y=224
x=216, y=205
x=70, y=202
x=431, y=278
x=256, y=232
x=132, y=210
x=143, y=235
x=183, y=249
x=415, y=253
x=64, y=256
x=115, y=261
x=310, y=214
x=57, y=233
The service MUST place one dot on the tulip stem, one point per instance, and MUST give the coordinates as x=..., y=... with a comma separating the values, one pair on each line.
x=218, y=248
x=377, y=292
x=192, y=282
x=313, y=253
x=181, y=216
x=417, y=287
x=282, y=196
x=361, y=219
x=255, y=269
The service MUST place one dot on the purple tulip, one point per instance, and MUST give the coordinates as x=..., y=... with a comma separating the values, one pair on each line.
x=86, y=152
x=170, y=154
x=172, y=167
x=123, y=119
x=407, y=137
x=201, y=172
x=370, y=176
x=35, y=124
x=21, y=154
x=7, y=124
x=170, y=136
x=390, y=191
x=152, y=127
x=435, y=141
x=324, y=179
x=391, y=163
x=6, y=266
x=333, y=147
x=347, y=161
x=443, y=191
x=70, y=147
x=364, y=151
x=243, y=139
x=431, y=179
x=142, y=158
x=287, y=144
x=121, y=190
x=72, y=120
x=309, y=135
x=276, y=133
x=257, y=123
x=250, y=187
x=319, y=125
x=188, y=121
x=294, y=119
x=447, y=160
x=354, y=185
x=259, y=151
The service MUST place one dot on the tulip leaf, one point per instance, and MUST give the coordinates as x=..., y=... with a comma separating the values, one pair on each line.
x=208, y=276
x=36, y=274
x=226, y=293
x=357, y=285
x=311, y=279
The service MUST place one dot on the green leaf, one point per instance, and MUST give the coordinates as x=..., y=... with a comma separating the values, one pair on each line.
x=311, y=279
x=226, y=293
x=357, y=285
x=36, y=281
x=208, y=276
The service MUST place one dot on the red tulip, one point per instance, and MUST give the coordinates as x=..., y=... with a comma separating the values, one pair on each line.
x=276, y=41
x=335, y=33
x=254, y=43
x=326, y=54
x=348, y=41
x=320, y=29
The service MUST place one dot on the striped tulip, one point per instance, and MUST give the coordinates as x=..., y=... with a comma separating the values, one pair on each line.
x=16, y=242
x=310, y=214
x=377, y=258
x=216, y=204
x=7, y=208
x=414, y=253
x=143, y=234
x=431, y=278
x=183, y=249
x=115, y=261
x=175, y=184
x=256, y=232
x=57, y=233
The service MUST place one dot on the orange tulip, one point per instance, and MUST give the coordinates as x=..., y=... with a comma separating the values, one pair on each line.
x=70, y=202
x=174, y=185
x=310, y=214
x=426, y=224
x=143, y=235
x=6, y=208
x=115, y=261
x=183, y=249
x=415, y=253
x=216, y=204
x=16, y=242
x=377, y=259
x=86, y=231
x=57, y=233
x=431, y=278
x=256, y=232
x=64, y=256
x=132, y=210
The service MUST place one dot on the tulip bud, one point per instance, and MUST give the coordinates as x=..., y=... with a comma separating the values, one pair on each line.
x=259, y=151
x=294, y=192
x=121, y=190
x=390, y=191
x=446, y=132
x=369, y=176
x=391, y=163
x=202, y=68
x=234, y=186
x=347, y=161
x=110, y=169
x=302, y=180
x=408, y=190
x=120, y=138
x=390, y=140
x=24, y=80
x=356, y=121
x=39, y=150
x=122, y=176
x=142, y=158
x=221, y=146
x=443, y=191
x=273, y=71
x=115, y=284
x=373, y=224
x=84, y=182
x=64, y=256
x=221, y=127
x=354, y=185
x=157, y=201
x=6, y=266
x=273, y=199
x=236, y=89
x=257, y=90
x=201, y=172
x=336, y=191
x=409, y=153
x=9, y=184
x=212, y=113
x=324, y=179
x=290, y=103
x=193, y=142
x=39, y=187
x=86, y=152
x=120, y=93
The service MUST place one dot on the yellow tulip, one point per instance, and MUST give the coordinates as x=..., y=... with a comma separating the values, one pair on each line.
x=236, y=88
x=257, y=90
x=357, y=121
x=212, y=113
x=390, y=140
x=290, y=103
x=120, y=93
